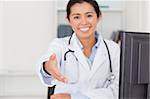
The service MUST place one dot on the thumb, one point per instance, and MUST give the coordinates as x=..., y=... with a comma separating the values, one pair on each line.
x=53, y=60
x=53, y=56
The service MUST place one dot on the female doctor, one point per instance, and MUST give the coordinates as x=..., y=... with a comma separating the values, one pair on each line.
x=84, y=65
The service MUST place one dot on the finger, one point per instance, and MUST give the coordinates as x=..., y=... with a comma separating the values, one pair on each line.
x=53, y=59
x=60, y=77
x=52, y=64
x=56, y=73
x=53, y=56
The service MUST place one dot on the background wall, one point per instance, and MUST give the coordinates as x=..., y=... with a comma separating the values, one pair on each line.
x=136, y=15
x=26, y=29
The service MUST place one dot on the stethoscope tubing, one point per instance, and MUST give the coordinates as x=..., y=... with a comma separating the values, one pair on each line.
x=69, y=50
x=111, y=76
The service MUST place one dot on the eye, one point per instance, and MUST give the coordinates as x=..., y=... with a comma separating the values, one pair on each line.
x=89, y=16
x=76, y=17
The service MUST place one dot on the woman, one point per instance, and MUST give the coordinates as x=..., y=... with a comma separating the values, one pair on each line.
x=80, y=65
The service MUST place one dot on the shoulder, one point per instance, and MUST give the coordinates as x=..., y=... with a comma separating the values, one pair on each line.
x=112, y=46
x=59, y=41
x=111, y=43
x=57, y=46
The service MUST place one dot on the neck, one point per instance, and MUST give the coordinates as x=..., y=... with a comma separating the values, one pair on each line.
x=88, y=44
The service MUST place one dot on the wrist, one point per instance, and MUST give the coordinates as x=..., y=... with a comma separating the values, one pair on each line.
x=44, y=68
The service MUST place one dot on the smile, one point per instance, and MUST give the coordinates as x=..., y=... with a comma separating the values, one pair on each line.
x=84, y=29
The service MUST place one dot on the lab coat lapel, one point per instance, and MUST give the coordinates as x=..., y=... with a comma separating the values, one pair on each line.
x=79, y=54
x=100, y=58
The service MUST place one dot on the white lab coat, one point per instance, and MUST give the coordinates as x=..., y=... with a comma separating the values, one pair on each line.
x=91, y=81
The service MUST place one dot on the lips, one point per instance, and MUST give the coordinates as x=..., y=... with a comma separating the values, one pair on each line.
x=84, y=29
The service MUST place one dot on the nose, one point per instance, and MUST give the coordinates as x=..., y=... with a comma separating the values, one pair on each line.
x=83, y=21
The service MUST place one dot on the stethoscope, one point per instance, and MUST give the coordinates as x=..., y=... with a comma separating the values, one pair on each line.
x=109, y=79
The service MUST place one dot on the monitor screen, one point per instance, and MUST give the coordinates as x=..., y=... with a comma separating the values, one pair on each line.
x=134, y=66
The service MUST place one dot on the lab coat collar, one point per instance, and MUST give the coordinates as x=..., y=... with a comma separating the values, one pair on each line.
x=100, y=56
x=78, y=52
x=97, y=36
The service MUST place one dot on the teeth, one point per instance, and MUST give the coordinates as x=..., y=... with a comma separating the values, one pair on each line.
x=84, y=29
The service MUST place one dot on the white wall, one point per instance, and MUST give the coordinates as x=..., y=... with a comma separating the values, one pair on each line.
x=136, y=15
x=145, y=16
x=28, y=27
x=21, y=87
x=1, y=32
x=110, y=22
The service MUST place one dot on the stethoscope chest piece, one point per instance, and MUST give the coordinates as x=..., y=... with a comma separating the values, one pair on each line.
x=111, y=77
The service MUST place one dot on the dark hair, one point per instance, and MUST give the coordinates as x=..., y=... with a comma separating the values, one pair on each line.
x=93, y=3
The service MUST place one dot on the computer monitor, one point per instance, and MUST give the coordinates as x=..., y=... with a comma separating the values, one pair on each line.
x=134, y=66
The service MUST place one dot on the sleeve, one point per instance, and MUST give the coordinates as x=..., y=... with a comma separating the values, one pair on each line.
x=112, y=89
x=55, y=47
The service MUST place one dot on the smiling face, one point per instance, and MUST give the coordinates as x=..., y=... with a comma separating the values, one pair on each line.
x=83, y=20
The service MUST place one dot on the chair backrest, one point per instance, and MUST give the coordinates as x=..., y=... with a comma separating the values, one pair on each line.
x=50, y=91
x=64, y=30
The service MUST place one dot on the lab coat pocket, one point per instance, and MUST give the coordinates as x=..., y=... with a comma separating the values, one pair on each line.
x=71, y=68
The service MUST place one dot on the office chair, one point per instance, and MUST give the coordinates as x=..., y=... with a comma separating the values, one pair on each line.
x=64, y=30
x=50, y=91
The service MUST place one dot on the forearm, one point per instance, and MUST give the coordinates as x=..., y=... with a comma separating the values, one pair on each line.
x=45, y=68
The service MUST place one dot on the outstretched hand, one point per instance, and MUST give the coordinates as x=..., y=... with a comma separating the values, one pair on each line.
x=52, y=68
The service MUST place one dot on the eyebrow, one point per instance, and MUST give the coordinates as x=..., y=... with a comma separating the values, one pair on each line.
x=79, y=13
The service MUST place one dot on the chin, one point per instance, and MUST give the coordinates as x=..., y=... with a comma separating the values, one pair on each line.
x=84, y=36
